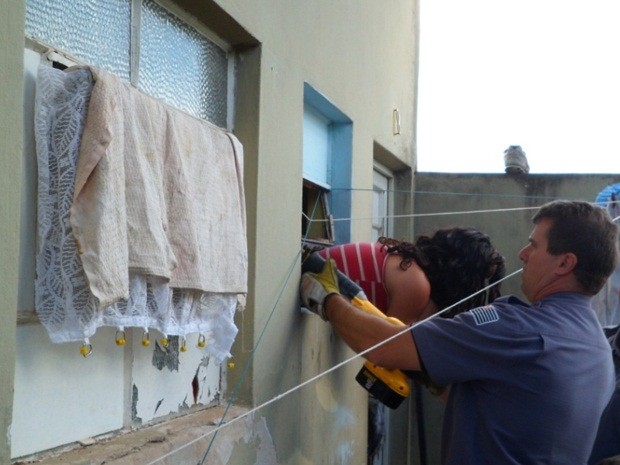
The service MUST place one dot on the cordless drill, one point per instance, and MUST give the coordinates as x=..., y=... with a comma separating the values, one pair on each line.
x=390, y=387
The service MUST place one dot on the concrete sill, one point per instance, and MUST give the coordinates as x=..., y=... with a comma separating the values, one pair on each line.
x=148, y=444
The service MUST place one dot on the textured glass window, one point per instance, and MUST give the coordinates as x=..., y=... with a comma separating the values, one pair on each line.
x=94, y=31
x=181, y=66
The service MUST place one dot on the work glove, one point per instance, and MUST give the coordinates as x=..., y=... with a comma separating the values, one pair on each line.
x=314, y=262
x=315, y=287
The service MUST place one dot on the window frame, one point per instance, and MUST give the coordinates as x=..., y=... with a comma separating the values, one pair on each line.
x=335, y=190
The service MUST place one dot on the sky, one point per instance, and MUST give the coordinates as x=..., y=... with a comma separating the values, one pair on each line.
x=542, y=74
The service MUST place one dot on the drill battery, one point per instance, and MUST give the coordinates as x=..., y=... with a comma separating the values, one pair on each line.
x=390, y=387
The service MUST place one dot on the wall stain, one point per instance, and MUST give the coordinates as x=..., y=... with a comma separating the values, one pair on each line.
x=167, y=356
x=183, y=405
x=134, y=406
x=157, y=406
x=195, y=386
x=200, y=377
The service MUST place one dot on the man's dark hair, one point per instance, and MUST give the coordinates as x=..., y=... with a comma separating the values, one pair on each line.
x=587, y=231
x=457, y=262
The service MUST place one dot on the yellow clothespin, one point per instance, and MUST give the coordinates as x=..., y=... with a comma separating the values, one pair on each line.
x=86, y=349
x=119, y=338
x=146, y=338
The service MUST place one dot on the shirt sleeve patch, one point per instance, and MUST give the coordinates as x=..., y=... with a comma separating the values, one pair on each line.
x=484, y=315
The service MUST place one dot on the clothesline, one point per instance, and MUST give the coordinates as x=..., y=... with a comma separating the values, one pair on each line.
x=222, y=425
x=326, y=372
x=448, y=193
x=297, y=387
x=421, y=215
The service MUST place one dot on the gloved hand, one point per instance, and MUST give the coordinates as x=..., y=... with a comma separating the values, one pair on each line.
x=315, y=287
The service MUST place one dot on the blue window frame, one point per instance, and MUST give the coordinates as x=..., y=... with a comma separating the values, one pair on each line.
x=326, y=170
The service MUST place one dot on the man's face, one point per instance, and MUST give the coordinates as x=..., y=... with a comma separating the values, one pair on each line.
x=539, y=266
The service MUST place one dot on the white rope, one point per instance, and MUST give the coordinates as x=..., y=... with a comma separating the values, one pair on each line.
x=421, y=215
x=330, y=370
x=364, y=352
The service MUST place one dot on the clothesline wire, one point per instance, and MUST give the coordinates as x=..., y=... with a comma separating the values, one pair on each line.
x=238, y=384
x=446, y=193
x=420, y=215
x=330, y=370
x=232, y=398
x=250, y=360
x=459, y=194
x=222, y=425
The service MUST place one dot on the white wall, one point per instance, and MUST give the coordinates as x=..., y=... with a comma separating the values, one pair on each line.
x=61, y=396
x=361, y=56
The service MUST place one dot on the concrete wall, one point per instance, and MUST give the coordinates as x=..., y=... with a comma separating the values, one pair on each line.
x=502, y=207
x=61, y=397
x=361, y=56
x=12, y=39
x=514, y=198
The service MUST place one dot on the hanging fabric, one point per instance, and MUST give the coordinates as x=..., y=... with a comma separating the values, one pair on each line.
x=141, y=213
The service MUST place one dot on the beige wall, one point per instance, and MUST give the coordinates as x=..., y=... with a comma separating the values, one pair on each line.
x=11, y=127
x=361, y=55
x=515, y=198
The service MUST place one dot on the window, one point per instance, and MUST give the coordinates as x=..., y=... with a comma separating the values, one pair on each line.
x=149, y=46
x=181, y=66
x=100, y=31
x=326, y=208
x=381, y=202
x=111, y=35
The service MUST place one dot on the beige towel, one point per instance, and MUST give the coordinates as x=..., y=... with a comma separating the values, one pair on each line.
x=158, y=192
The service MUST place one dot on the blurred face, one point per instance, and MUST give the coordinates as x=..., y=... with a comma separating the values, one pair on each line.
x=539, y=266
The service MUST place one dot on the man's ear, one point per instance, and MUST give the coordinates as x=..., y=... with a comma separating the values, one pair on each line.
x=567, y=263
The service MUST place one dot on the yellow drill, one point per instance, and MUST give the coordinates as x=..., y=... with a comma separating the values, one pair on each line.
x=390, y=387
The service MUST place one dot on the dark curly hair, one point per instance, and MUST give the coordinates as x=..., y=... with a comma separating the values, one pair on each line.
x=457, y=262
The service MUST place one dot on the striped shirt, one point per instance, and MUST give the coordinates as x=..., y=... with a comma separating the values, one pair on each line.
x=362, y=262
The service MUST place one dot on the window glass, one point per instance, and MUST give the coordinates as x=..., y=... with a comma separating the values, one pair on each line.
x=96, y=32
x=316, y=221
x=181, y=66
x=316, y=154
x=380, y=205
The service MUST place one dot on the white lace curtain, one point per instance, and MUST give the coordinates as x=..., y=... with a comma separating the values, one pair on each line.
x=63, y=300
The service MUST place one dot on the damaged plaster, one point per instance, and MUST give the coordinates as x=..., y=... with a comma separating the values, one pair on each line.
x=167, y=356
x=247, y=441
x=134, y=406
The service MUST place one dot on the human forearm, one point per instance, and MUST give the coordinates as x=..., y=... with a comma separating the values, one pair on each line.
x=361, y=330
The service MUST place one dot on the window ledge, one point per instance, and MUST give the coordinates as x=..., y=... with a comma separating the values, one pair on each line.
x=145, y=445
